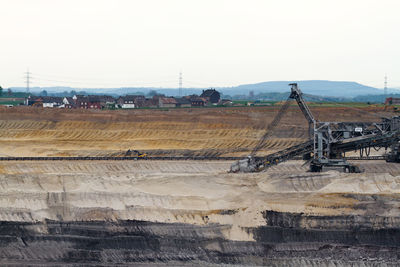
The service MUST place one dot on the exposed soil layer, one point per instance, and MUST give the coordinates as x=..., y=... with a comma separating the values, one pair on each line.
x=139, y=242
x=26, y=131
x=187, y=212
x=166, y=212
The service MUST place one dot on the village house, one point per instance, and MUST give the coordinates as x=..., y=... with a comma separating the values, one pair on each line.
x=183, y=102
x=140, y=101
x=125, y=102
x=94, y=102
x=392, y=101
x=51, y=101
x=151, y=102
x=196, y=101
x=34, y=101
x=44, y=101
x=104, y=100
x=86, y=102
x=211, y=95
x=69, y=102
x=81, y=101
x=167, y=102
x=131, y=101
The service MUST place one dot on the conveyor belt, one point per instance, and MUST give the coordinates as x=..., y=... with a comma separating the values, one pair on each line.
x=283, y=155
x=307, y=147
x=367, y=158
x=114, y=158
x=374, y=140
x=347, y=145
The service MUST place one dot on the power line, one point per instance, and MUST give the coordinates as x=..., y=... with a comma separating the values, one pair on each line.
x=202, y=84
x=97, y=84
x=59, y=80
x=72, y=80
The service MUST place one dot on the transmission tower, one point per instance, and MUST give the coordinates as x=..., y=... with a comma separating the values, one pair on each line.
x=385, y=87
x=27, y=79
x=180, y=83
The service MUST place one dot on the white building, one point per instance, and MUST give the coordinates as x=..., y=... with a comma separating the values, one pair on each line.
x=128, y=101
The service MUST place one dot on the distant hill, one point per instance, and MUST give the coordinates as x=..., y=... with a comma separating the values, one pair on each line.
x=323, y=88
x=314, y=87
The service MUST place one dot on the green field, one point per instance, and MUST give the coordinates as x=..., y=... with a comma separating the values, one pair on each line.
x=10, y=101
x=343, y=104
x=313, y=104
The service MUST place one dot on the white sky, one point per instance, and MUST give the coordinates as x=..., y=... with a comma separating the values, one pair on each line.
x=96, y=43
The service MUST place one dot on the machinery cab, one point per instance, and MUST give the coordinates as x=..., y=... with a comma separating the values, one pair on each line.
x=135, y=153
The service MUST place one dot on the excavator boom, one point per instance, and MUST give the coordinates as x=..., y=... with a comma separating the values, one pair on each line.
x=328, y=140
x=298, y=96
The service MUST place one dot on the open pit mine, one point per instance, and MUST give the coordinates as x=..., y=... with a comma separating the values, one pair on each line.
x=188, y=200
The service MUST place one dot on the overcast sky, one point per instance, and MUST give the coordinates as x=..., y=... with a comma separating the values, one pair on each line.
x=96, y=43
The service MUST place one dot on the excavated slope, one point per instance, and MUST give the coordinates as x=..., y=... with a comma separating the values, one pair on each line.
x=28, y=131
x=168, y=212
x=83, y=213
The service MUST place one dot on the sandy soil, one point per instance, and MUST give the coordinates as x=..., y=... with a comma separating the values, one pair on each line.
x=28, y=131
x=176, y=212
x=189, y=192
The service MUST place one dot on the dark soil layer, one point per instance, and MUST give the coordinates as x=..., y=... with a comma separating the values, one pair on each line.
x=288, y=240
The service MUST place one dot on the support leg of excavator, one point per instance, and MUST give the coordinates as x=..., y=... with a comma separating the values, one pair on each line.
x=316, y=166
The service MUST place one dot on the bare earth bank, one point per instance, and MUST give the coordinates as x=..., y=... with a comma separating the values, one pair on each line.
x=160, y=212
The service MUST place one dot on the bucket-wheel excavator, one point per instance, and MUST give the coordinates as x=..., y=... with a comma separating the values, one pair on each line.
x=328, y=141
